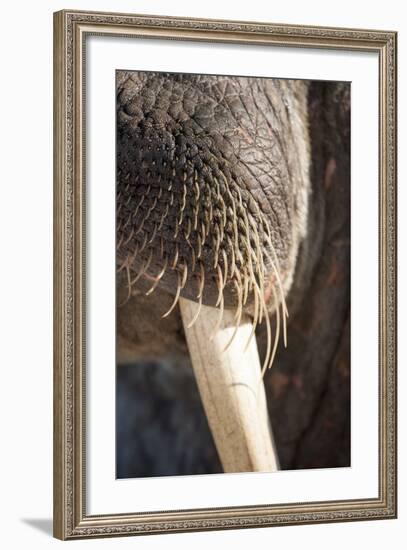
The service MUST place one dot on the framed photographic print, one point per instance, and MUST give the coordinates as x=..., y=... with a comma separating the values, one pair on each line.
x=225, y=274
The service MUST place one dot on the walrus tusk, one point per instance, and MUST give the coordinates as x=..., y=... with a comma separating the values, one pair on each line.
x=231, y=388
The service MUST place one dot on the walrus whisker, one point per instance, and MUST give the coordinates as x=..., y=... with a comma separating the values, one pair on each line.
x=217, y=245
x=240, y=257
x=158, y=277
x=144, y=242
x=221, y=232
x=175, y=260
x=236, y=233
x=184, y=197
x=210, y=210
x=193, y=259
x=201, y=280
x=217, y=188
x=206, y=223
x=152, y=207
x=164, y=215
x=197, y=312
x=135, y=212
x=197, y=191
x=203, y=233
x=153, y=234
x=146, y=265
x=268, y=338
x=161, y=247
x=126, y=223
x=140, y=227
x=225, y=267
x=198, y=242
x=188, y=231
x=142, y=199
x=129, y=259
x=239, y=288
x=196, y=209
x=128, y=288
x=180, y=220
x=219, y=282
x=259, y=289
x=277, y=331
x=184, y=274
x=250, y=264
x=261, y=302
x=232, y=257
x=259, y=255
x=177, y=295
x=126, y=242
x=255, y=318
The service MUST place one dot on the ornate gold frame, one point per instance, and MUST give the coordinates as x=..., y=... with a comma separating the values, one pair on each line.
x=70, y=518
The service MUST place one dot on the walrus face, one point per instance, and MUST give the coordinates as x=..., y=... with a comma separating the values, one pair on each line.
x=212, y=186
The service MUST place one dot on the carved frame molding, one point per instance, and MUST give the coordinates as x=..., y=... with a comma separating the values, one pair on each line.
x=70, y=518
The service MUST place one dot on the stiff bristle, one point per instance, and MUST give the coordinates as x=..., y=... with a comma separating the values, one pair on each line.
x=219, y=233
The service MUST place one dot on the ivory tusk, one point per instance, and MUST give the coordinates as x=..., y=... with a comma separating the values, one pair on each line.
x=231, y=388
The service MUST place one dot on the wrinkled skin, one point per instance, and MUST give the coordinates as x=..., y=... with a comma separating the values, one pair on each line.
x=285, y=146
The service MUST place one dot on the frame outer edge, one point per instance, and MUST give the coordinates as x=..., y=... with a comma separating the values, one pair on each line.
x=395, y=259
x=59, y=428
x=68, y=520
x=391, y=263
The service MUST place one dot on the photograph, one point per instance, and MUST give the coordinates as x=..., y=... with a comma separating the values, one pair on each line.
x=232, y=217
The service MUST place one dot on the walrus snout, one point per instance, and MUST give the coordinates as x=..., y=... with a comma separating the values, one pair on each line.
x=208, y=188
